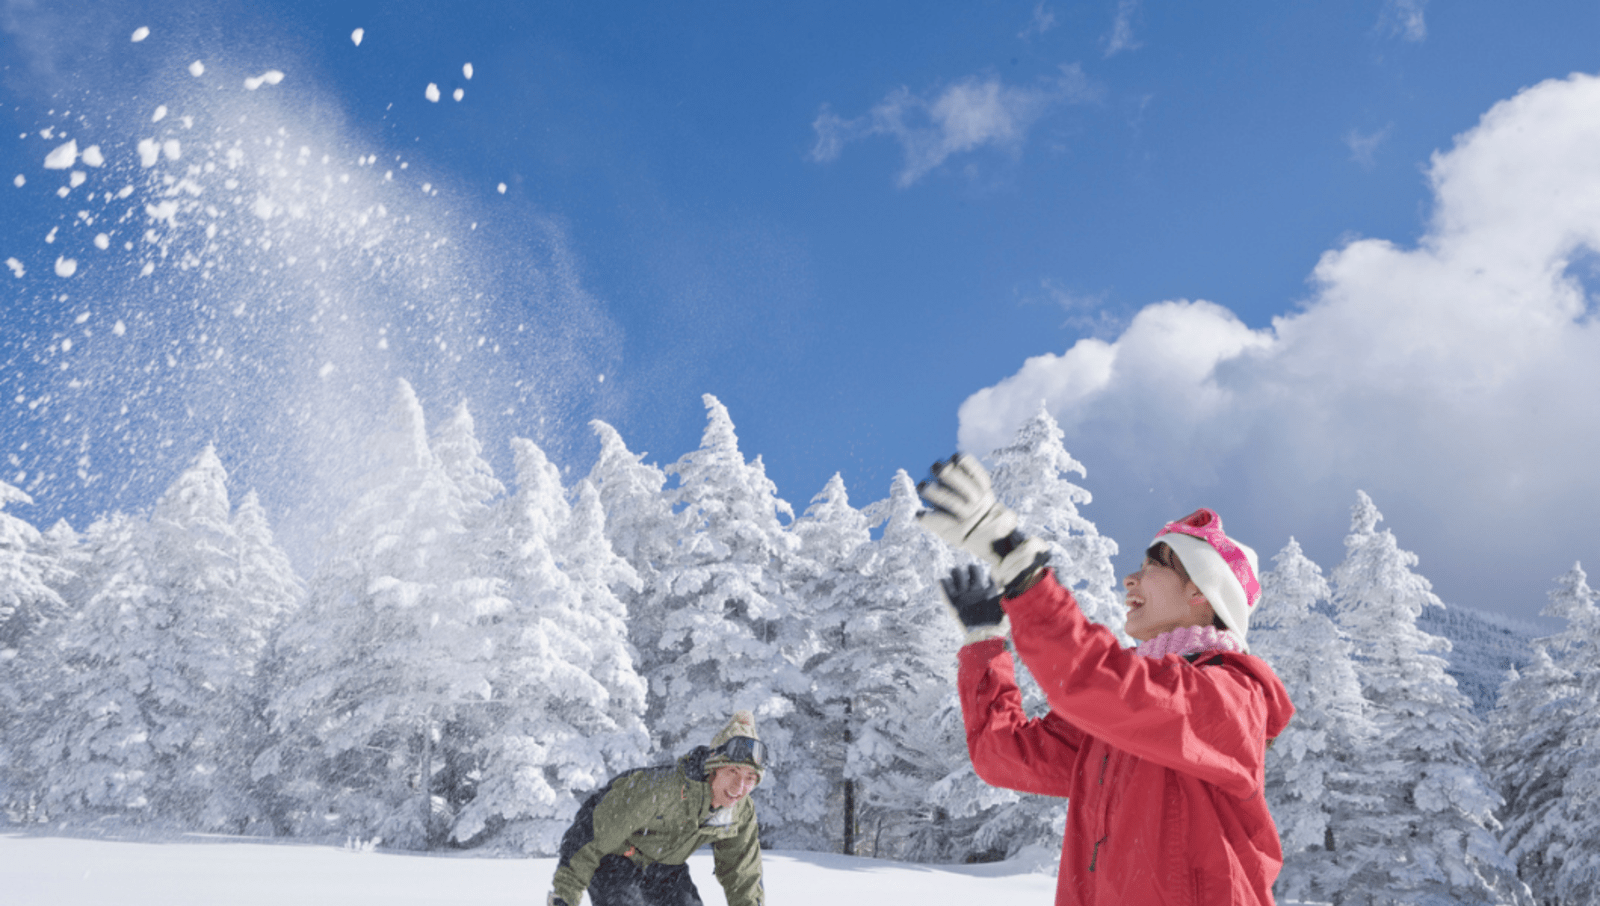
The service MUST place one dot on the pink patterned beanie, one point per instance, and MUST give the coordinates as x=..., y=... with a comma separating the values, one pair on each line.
x=1223, y=569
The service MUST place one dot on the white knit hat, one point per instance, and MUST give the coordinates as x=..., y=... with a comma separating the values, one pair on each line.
x=1224, y=570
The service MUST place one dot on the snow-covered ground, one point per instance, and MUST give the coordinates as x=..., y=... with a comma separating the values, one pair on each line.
x=205, y=871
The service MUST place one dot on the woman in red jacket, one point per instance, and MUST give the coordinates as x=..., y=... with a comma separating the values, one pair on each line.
x=1161, y=748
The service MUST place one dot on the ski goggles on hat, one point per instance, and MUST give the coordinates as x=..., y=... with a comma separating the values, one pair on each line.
x=744, y=750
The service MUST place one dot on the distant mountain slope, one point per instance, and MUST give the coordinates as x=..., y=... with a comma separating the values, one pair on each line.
x=1485, y=645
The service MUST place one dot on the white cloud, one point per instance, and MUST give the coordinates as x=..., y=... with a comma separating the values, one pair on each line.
x=1455, y=381
x=1364, y=145
x=1043, y=19
x=1403, y=19
x=1121, y=37
x=971, y=114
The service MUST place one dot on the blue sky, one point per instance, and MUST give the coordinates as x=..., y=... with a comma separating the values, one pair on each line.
x=874, y=231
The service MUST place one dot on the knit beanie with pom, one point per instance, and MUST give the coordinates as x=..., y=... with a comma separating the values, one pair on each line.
x=1223, y=569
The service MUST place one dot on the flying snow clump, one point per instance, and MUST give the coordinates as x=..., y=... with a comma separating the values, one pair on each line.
x=356, y=36
x=432, y=93
x=66, y=267
x=62, y=157
x=139, y=34
x=270, y=77
x=197, y=69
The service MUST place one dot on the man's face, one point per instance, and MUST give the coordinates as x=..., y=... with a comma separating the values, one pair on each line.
x=732, y=782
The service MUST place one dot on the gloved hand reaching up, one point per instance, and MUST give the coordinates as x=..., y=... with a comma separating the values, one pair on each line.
x=963, y=510
x=975, y=601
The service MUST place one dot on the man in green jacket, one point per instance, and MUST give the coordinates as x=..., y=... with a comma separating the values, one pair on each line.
x=630, y=842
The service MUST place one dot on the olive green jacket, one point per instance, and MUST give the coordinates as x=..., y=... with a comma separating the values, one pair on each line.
x=659, y=814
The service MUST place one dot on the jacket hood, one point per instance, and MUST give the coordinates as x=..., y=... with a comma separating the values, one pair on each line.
x=1279, y=708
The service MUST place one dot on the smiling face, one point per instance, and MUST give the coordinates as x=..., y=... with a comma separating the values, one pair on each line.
x=1160, y=598
x=731, y=783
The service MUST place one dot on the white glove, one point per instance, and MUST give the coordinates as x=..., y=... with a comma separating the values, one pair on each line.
x=963, y=510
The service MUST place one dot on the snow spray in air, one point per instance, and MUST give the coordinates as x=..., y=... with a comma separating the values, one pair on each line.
x=216, y=259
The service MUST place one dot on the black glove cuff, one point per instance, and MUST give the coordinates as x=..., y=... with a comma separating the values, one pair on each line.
x=1004, y=546
x=1027, y=577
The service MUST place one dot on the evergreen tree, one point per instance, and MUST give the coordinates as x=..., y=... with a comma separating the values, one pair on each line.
x=826, y=579
x=1029, y=474
x=1546, y=747
x=389, y=654
x=1429, y=839
x=31, y=570
x=1316, y=770
x=568, y=706
x=27, y=575
x=718, y=634
x=641, y=527
x=85, y=744
x=908, y=732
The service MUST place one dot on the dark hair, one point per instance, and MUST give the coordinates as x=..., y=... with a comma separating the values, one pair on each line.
x=1162, y=554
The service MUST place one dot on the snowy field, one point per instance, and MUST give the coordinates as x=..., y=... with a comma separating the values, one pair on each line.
x=208, y=871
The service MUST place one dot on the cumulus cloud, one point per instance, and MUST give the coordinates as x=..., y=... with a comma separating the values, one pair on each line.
x=974, y=113
x=1453, y=380
x=1403, y=19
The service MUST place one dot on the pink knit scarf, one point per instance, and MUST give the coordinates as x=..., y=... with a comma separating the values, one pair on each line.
x=1190, y=640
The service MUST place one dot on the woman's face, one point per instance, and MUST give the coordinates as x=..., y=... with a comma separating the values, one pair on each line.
x=1159, y=599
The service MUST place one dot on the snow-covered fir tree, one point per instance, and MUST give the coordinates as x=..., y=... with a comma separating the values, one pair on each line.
x=83, y=745
x=714, y=632
x=1316, y=770
x=825, y=579
x=1542, y=747
x=389, y=656
x=28, y=575
x=567, y=713
x=215, y=635
x=639, y=523
x=1429, y=837
x=146, y=708
x=908, y=734
x=1030, y=475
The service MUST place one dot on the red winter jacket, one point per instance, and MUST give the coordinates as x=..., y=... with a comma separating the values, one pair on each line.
x=1162, y=759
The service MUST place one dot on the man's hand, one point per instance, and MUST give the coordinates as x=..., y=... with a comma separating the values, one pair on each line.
x=963, y=510
x=975, y=601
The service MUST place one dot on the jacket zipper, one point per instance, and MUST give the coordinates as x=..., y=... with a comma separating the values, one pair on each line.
x=1095, y=856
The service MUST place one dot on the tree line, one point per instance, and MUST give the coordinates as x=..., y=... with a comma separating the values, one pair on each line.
x=467, y=662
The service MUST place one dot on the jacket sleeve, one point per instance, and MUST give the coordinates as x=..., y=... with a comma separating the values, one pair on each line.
x=1007, y=748
x=625, y=808
x=737, y=861
x=1207, y=722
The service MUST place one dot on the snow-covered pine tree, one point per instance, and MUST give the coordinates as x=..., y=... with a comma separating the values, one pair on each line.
x=389, y=655
x=639, y=523
x=1030, y=475
x=214, y=635
x=1546, y=748
x=1525, y=752
x=1429, y=840
x=825, y=578
x=269, y=591
x=83, y=743
x=716, y=633
x=29, y=576
x=568, y=706
x=908, y=736
x=1316, y=770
